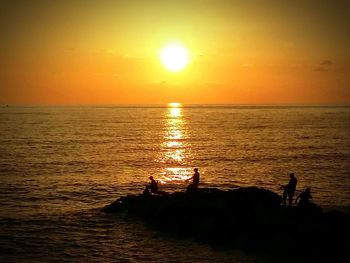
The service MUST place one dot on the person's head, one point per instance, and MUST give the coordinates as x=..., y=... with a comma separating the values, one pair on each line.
x=291, y=175
x=195, y=169
x=308, y=190
x=151, y=178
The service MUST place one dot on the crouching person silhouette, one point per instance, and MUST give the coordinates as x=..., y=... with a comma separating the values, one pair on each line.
x=152, y=187
x=304, y=197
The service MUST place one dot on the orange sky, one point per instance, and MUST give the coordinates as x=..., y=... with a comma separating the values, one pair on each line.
x=242, y=52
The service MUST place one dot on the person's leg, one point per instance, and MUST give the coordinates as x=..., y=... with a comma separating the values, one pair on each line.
x=284, y=197
x=189, y=188
x=290, y=199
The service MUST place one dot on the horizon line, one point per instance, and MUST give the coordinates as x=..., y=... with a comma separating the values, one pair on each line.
x=4, y=105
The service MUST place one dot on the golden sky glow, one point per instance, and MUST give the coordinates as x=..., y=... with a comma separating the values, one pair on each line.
x=93, y=52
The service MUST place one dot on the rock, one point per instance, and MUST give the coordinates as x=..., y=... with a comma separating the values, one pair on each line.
x=250, y=218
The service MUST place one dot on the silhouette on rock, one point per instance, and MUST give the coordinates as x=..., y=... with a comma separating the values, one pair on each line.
x=250, y=218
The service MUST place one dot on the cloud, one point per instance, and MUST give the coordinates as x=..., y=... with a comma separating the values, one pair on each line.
x=326, y=63
x=321, y=69
x=160, y=82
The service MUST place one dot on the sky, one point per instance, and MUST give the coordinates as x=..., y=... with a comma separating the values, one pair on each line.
x=240, y=52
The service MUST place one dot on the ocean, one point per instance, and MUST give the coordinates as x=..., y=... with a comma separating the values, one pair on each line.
x=60, y=165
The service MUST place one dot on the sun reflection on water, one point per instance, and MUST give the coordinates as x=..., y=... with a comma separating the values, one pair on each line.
x=174, y=105
x=175, y=112
x=174, y=149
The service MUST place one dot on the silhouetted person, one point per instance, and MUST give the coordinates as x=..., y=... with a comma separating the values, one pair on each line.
x=153, y=185
x=195, y=181
x=289, y=189
x=304, y=197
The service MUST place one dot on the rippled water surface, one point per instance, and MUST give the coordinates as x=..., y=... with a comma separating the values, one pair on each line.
x=60, y=165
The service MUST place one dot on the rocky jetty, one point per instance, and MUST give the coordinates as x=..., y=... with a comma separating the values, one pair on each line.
x=249, y=218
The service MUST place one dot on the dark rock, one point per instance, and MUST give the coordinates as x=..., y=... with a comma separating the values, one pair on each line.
x=250, y=218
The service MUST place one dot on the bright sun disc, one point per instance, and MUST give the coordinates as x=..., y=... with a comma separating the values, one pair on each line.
x=174, y=57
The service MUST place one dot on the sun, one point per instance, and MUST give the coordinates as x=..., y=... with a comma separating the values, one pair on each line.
x=174, y=57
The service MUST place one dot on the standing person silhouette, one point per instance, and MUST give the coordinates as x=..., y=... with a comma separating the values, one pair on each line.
x=289, y=189
x=195, y=181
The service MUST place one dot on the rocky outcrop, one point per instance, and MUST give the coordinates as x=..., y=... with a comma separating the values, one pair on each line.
x=250, y=218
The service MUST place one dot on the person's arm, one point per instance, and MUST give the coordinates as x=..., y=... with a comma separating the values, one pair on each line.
x=191, y=178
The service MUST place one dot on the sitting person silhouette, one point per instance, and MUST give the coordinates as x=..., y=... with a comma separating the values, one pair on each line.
x=195, y=181
x=152, y=187
x=289, y=189
x=304, y=197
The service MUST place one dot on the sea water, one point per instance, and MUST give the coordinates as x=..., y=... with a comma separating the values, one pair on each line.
x=60, y=165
